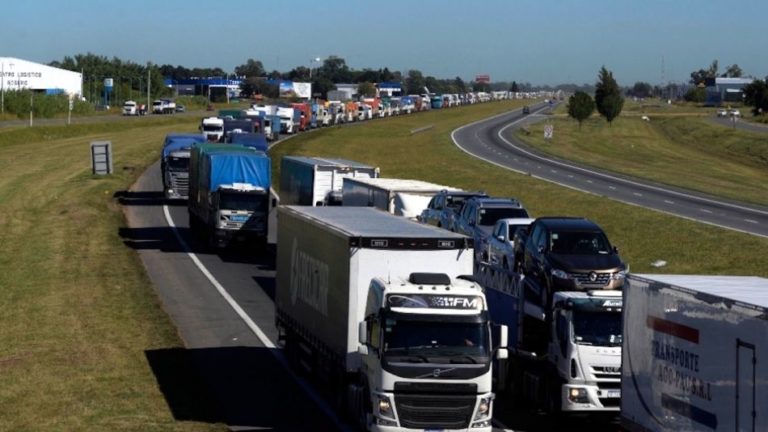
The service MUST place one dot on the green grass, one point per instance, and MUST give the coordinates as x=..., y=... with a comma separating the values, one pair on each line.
x=684, y=151
x=643, y=236
x=78, y=312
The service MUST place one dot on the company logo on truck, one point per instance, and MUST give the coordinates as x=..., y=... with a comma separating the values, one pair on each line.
x=435, y=301
x=309, y=280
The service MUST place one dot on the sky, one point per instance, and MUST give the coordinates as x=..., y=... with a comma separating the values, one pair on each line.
x=534, y=41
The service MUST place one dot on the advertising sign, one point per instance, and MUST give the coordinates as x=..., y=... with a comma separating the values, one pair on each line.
x=289, y=89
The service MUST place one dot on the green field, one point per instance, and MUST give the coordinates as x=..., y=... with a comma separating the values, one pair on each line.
x=80, y=316
x=683, y=149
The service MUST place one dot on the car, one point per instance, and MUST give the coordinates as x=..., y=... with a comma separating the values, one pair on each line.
x=500, y=247
x=722, y=113
x=181, y=108
x=479, y=214
x=444, y=206
x=734, y=113
x=571, y=253
x=526, y=110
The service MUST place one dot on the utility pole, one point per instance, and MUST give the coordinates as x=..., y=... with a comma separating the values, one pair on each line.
x=149, y=105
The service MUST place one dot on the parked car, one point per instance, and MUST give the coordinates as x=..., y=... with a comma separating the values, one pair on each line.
x=500, y=248
x=722, y=112
x=526, y=110
x=445, y=206
x=479, y=215
x=567, y=253
x=181, y=108
x=734, y=113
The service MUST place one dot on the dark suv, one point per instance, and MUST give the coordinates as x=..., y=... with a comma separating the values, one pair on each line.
x=445, y=206
x=566, y=254
x=479, y=215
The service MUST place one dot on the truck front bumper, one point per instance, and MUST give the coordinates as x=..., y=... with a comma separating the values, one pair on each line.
x=404, y=415
x=589, y=398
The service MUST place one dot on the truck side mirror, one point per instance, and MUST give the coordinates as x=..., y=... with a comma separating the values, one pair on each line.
x=362, y=333
x=502, y=354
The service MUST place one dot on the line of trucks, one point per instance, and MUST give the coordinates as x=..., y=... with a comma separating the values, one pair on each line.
x=412, y=332
x=410, y=327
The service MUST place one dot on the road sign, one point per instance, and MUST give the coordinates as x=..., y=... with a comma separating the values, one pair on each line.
x=549, y=130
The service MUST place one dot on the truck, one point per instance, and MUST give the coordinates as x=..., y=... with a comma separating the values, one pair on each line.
x=564, y=357
x=287, y=124
x=174, y=164
x=402, y=197
x=256, y=141
x=212, y=128
x=316, y=181
x=130, y=108
x=694, y=353
x=237, y=126
x=375, y=308
x=163, y=106
x=229, y=194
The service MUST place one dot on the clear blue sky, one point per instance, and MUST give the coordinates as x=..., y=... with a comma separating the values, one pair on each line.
x=536, y=41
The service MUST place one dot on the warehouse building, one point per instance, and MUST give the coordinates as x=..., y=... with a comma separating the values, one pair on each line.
x=723, y=90
x=17, y=74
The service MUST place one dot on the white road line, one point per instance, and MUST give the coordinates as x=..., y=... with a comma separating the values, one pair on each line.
x=612, y=187
x=705, y=210
x=327, y=410
x=637, y=194
x=589, y=181
x=669, y=202
x=751, y=221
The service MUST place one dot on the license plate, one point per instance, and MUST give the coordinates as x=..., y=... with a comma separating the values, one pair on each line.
x=238, y=218
x=614, y=393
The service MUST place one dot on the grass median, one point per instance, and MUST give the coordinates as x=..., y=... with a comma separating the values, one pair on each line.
x=79, y=315
x=643, y=236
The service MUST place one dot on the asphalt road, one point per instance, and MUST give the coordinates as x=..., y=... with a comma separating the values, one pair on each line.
x=492, y=140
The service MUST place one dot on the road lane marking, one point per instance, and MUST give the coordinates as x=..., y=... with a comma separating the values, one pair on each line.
x=637, y=194
x=669, y=202
x=277, y=353
x=752, y=221
x=705, y=210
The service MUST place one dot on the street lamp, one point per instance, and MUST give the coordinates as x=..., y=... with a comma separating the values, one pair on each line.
x=312, y=61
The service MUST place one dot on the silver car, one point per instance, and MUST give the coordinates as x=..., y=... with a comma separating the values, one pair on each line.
x=499, y=248
x=444, y=206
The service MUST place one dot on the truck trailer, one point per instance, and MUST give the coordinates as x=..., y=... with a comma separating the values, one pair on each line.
x=563, y=358
x=229, y=193
x=402, y=197
x=316, y=181
x=695, y=351
x=374, y=307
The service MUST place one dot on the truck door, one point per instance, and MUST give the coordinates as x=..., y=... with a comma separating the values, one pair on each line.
x=745, y=386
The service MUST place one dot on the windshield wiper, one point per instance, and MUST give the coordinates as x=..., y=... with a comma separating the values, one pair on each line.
x=461, y=359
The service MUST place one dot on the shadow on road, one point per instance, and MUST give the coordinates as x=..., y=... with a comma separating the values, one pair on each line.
x=242, y=387
x=149, y=198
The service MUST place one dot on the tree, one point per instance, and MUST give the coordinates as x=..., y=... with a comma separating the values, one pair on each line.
x=641, y=90
x=696, y=94
x=335, y=69
x=460, y=85
x=756, y=95
x=701, y=75
x=608, y=99
x=251, y=68
x=580, y=106
x=366, y=89
x=414, y=83
x=732, y=71
x=515, y=88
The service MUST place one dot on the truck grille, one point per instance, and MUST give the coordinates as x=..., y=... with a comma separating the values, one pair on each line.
x=606, y=372
x=601, y=279
x=434, y=411
x=435, y=406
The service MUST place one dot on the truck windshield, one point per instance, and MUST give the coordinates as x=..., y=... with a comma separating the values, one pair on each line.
x=435, y=338
x=489, y=216
x=597, y=328
x=213, y=128
x=243, y=201
x=579, y=243
x=178, y=163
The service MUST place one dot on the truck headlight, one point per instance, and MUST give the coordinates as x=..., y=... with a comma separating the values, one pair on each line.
x=578, y=395
x=384, y=407
x=560, y=274
x=483, y=409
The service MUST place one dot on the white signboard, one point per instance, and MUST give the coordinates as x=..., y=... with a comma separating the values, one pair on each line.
x=549, y=131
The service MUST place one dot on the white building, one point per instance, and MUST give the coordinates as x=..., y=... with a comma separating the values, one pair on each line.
x=17, y=74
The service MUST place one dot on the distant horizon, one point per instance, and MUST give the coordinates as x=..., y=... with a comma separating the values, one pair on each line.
x=541, y=42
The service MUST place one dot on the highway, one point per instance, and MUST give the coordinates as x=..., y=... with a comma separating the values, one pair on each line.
x=492, y=140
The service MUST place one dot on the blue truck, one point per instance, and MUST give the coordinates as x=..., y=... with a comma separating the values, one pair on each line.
x=257, y=141
x=174, y=164
x=229, y=194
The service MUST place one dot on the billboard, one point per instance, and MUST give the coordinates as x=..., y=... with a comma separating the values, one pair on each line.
x=486, y=79
x=290, y=89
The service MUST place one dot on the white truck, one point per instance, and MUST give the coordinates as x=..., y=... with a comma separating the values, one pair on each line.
x=372, y=307
x=401, y=197
x=564, y=360
x=213, y=129
x=130, y=108
x=163, y=106
x=287, y=124
x=695, y=351
x=316, y=181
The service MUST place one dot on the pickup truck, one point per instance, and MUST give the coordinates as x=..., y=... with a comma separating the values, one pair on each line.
x=571, y=254
x=444, y=207
x=479, y=215
x=500, y=247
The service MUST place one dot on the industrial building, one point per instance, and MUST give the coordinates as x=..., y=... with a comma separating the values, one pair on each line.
x=723, y=90
x=18, y=74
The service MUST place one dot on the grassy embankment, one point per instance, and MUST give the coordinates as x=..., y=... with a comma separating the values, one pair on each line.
x=678, y=147
x=643, y=236
x=78, y=312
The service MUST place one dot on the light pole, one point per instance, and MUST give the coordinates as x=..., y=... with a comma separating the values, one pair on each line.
x=311, y=62
x=2, y=92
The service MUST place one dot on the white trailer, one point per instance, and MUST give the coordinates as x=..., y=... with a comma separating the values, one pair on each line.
x=372, y=306
x=401, y=197
x=694, y=353
x=316, y=181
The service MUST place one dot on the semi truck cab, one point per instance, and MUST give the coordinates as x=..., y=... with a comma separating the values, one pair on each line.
x=427, y=353
x=241, y=209
x=176, y=174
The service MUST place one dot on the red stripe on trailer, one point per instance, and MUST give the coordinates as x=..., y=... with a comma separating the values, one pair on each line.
x=673, y=329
